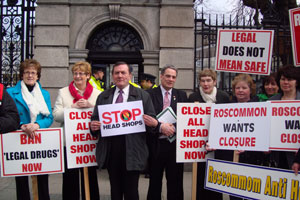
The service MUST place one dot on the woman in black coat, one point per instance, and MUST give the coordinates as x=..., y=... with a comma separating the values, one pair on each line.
x=208, y=93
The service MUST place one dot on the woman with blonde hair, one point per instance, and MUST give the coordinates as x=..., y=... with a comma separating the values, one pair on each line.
x=79, y=94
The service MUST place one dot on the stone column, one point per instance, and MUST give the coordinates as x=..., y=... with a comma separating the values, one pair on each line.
x=52, y=43
x=177, y=40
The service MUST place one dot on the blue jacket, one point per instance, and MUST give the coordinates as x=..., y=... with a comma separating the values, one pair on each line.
x=42, y=120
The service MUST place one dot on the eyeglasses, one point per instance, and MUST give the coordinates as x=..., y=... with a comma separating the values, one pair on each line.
x=27, y=73
x=79, y=74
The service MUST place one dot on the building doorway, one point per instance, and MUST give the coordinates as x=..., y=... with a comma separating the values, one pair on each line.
x=115, y=41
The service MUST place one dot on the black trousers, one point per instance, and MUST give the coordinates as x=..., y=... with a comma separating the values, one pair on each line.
x=123, y=183
x=22, y=187
x=202, y=193
x=165, y=160
x=71, y=187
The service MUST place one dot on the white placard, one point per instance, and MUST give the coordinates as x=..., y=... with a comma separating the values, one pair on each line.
x=23, y=156
x=80, y=144
x=121, y=118
x=285, y=125
x=251, y=181
x=244, y=51
x=192, y=131
x=240, y=126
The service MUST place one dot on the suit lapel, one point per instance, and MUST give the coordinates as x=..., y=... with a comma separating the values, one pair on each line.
x=174, y=99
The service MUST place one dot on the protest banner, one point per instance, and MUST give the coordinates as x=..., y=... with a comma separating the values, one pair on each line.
x=80, y=144
x=192, y=131
x=285, y=125
x=244, y=51
x=23, y=156
x=251, y=181
x=121, y=118
x=295, y=33
x=240, y=126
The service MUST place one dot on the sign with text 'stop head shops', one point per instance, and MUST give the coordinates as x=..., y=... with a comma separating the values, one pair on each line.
x=23, y=156
x=295, y=33
x=121, y=118
x=244, y=51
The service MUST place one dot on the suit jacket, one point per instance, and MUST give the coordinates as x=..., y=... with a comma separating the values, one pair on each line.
x=177, y=96
x=136, y=147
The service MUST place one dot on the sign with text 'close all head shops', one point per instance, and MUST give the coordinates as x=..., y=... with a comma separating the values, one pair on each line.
x=295, y=33
x=244, y=51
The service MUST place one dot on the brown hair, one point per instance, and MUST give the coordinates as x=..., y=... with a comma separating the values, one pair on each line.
x=247, y=78
x=82, y=66
x=120, y=63
x=208, y=72
x=290, y=72
x=30, y=63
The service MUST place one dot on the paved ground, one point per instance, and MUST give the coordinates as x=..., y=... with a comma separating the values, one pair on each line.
x=8, y=188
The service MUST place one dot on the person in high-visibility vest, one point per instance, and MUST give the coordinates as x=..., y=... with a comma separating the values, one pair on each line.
x=148, y=81
x=96, y=79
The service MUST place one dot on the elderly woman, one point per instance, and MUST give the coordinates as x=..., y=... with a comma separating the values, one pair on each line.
x=34, y=107
x=288, y=79
x=269, y=87
x=79, y=94
x=208, y=93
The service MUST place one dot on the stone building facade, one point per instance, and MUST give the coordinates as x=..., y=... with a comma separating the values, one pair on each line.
x=145, y=33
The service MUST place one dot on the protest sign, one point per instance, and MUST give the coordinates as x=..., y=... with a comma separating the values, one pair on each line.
x=285, y=126
x=240, y=126
x=23, y=156
x=295, y=33
x=192, y=131
x=121, y=118
x=80, y=144
x=251, y=181
x=244, y=51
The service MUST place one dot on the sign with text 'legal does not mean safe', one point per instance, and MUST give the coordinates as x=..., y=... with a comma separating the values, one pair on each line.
x=80, y=144
x=192, y=131
x=244, y=51
x=240, y=126
x=285, y=126
x=121, y=118
x=23, y=156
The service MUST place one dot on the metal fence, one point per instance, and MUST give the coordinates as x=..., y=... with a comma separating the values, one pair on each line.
x=17, y=21
x=206, y=30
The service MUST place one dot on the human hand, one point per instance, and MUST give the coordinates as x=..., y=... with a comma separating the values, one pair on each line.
x=150, y=121
x=82, y=103
x=208, y=148
x=167, y=129
x=240, y=151
x=95, y=125
x=30, y=129
x=296, y=167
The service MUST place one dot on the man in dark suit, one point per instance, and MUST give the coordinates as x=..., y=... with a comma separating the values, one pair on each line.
x=124, y=156
x=163, y=152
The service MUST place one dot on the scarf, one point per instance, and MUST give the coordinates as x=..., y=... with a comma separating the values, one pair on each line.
x=209, y=98
x=87, y=93
x=35, y=101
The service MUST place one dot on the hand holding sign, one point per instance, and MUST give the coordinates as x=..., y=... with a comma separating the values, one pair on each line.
x=95, y=125
x=30, y=129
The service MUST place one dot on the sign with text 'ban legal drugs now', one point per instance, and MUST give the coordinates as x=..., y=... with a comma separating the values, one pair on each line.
x=285, y=126
x=192, y=131
x=240, y=126
x=23, y=156
x=251, y=181
x=295, y=33
x=80, y=144
x=121, y=118
x=244, y=51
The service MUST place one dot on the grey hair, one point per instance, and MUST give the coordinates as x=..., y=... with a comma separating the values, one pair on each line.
x=168, y=66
